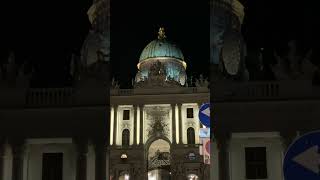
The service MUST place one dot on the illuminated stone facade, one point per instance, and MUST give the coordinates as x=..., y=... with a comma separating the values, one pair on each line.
x=155, y=126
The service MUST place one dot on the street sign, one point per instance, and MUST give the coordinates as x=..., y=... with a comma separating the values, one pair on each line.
x=206, y=150
x=204, y=133
x=204, y=114
x=302, y=160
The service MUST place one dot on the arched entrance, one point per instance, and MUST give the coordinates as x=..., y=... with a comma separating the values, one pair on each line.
x=158, y=156
x=124, y=175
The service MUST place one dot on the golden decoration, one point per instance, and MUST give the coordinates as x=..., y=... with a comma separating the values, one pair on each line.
x=161, y=34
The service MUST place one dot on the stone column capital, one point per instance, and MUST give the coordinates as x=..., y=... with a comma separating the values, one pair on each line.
x=17, y=146
x=81, y=144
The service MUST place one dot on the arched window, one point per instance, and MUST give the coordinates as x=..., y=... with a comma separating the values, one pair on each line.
x=190, y=136
x=125, y=137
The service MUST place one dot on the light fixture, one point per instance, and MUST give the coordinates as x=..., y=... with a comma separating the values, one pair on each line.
x=124, y=156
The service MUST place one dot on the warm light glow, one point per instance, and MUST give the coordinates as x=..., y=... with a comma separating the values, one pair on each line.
x=132, y=125
x=192, y=177
x=124, y=156
x=184, y=64
x=116, y=131
x=177, y=124
x=138, y=125
x=111, y=125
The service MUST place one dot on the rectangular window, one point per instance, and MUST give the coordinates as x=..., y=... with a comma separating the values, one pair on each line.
x=189, y=112
x=52, y=166
x=126, y=114
x=256, y=163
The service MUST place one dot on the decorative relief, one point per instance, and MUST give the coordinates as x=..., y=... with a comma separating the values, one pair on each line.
x=158, y=121
x=190, y=124
x=126, y=125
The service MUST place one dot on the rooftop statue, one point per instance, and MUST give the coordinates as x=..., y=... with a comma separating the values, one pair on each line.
x=161, y=33
x=228, y=47
x=294, y=66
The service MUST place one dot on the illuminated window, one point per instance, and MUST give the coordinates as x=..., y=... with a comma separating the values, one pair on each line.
x=191, y=136
x=126, y=114
x=189, y=112
x=192, y=156
x=256, y=163
x=125, y=137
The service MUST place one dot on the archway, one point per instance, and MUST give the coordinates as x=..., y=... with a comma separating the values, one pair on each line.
x=124, y=175
x=159, y=160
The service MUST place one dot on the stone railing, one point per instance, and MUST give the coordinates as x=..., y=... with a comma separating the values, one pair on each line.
x=265, y=90
x=49, y=97
x=158, y=91
x=221, y=91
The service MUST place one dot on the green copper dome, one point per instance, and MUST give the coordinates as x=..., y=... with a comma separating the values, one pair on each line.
x=161, y=48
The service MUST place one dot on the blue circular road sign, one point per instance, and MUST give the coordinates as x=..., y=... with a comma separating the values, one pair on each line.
x=302, y=160
x=204, y=114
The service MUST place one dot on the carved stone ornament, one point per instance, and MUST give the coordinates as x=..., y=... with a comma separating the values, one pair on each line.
x=231, y=53
x=158, y=126
x=157, y=77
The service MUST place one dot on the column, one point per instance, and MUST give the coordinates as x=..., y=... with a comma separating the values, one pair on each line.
x=180, y=123
x=141, y=124
x=223, y=157
x=82, y=150
x=17, y=146
x=287, y=138
x=115, y=122
x=173, y=106
x=1, y=157
x=101, y=159
x=135, y=125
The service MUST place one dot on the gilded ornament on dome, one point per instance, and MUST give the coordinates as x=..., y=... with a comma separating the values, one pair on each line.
x=161, y=34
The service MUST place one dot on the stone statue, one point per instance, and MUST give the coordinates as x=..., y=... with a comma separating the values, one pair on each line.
x=202, y=82
x=114, y=84
x=294, y=66
x=161, y=33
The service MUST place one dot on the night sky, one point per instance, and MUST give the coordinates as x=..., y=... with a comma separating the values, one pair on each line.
x=46, y=33
x=270, y=24
x=137, y=23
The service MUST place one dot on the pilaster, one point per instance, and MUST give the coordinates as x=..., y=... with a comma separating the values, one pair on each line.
x=82, y=150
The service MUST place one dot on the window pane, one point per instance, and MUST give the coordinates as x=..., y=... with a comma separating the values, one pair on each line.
x=52, y=166
x=126, y=114
x=191, y=136
x=125, y=137
x=256, y=163
x=189, y=112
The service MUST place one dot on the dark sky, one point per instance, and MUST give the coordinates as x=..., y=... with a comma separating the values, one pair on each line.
x=271, y=23
x=46, y=33
x=136, y=23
